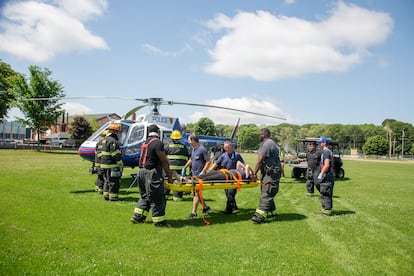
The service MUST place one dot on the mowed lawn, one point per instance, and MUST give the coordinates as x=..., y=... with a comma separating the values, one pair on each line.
x=53, y=223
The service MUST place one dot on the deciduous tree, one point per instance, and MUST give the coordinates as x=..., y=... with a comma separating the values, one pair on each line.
x=7, y=98
x=375, y=145
x=80, y=129
x=205, y=126
x=39, y=114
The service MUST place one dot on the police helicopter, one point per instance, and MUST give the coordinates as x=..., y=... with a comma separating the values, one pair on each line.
x=133, y=133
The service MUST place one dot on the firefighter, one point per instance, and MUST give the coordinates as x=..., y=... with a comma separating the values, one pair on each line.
x=268, y=163
x=177, y=155
x=153, y=161
x=326, y=178
x=313, y=157
x=99, y=171
x=111, y=163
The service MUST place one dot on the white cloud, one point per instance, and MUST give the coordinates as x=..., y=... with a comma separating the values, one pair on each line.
x=76, y=108
x=37, y=31
x=196, y=116
x=84, y=9
x=222, y=116
x=289, y=2
x=158, y=52
x=267, y=47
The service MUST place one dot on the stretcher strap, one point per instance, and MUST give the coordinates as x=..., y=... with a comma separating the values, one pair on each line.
x=226, y=174
x=200, y=194
x=238, y=180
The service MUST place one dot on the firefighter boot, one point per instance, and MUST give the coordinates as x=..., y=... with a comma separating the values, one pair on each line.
x=258, y=218
x=137, y=218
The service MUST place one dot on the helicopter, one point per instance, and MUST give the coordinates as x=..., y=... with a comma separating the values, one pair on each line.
x=133, y=133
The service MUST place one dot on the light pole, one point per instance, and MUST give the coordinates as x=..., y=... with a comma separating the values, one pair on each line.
x=402, y=144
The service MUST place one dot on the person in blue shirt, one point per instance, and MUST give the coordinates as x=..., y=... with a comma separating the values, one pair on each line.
x=228, y=160
x=326, y=178
x=199, y=162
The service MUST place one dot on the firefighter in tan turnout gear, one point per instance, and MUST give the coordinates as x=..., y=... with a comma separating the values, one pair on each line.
x=177, y=155
x=111, y=163
x=97, y=166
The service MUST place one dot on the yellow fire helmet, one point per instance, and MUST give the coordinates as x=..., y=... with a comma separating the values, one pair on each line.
x=176, y=135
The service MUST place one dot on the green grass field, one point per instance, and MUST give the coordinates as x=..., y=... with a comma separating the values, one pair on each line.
x=52, y=222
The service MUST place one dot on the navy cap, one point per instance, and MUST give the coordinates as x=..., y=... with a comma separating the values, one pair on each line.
x=323, y=140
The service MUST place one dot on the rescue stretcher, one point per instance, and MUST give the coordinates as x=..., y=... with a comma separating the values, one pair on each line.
x=228, y=179
x=188, y=184
x=197, y=184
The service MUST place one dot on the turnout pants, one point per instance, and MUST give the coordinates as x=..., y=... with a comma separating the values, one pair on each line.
x=151, y=189
x=100, y=179
x=325, y=188
x=177, y=194
x=269, y=189
x=111, y=184
x=311, y=175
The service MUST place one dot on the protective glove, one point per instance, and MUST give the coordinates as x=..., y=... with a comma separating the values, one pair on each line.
x=183, y=172
x=200, y=174
x=320, y=176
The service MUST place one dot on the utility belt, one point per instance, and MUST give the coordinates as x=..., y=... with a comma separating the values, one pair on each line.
x=151, y=167
x=271, y=169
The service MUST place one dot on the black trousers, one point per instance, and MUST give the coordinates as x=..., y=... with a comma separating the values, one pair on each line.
x=269, y=189
x=325, y=188
x=151, y=189
x=231, y=199
x=100, y=179
x=111, y=184
x=311, y=175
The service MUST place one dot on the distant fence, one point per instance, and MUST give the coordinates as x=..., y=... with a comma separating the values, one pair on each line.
x=33, y=146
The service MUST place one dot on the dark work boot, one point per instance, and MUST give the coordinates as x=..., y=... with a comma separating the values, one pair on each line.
x=257, y=218
x=137, y=218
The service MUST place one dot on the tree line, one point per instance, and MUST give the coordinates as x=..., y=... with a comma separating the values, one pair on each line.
x=392, y=137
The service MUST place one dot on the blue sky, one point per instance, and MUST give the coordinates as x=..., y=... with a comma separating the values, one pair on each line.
x=348, y=62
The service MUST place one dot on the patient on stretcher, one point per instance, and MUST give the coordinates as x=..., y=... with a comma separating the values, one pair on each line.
x=243, y=172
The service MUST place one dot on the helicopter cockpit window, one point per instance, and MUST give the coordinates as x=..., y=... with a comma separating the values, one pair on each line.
x=123, y=133
x=137, y=134
x=97, y=135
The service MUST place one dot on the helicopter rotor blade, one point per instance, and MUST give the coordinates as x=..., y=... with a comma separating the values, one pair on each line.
x=132, y=111
x=227, y=108
x=154, y=102
x=80, y=98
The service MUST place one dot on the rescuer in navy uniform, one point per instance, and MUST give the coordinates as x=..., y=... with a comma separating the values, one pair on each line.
x=313, y=157
x=326, y=178
x=228, y=160
x=153, y=161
